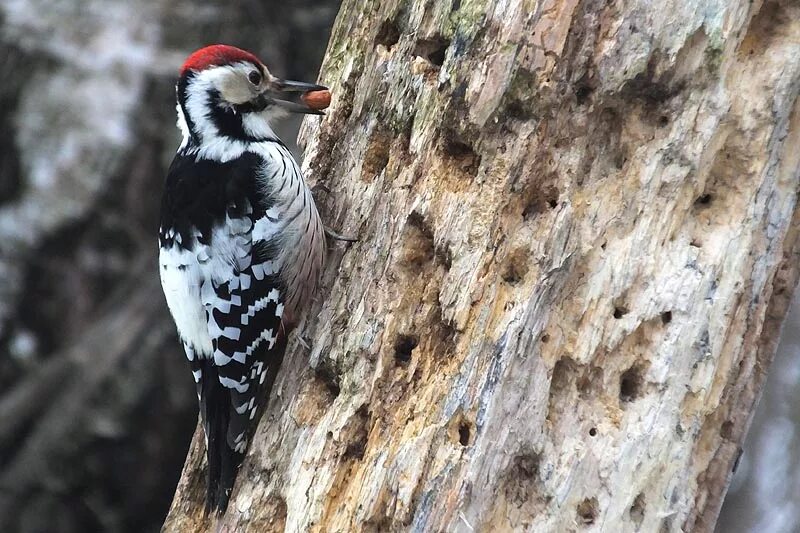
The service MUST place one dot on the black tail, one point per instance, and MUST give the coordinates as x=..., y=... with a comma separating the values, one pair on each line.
x=223, y=461
x=225, y=427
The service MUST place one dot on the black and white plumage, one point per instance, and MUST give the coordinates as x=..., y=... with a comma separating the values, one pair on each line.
x=241, y=245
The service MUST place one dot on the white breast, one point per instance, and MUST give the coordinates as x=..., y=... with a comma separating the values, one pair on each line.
x=181, y=279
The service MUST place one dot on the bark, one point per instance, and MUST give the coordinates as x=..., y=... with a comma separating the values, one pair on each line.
x=578, y=240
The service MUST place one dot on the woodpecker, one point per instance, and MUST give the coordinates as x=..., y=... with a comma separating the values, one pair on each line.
x=241, y=244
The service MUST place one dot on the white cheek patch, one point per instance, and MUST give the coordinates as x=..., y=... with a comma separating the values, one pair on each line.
x=233, y=87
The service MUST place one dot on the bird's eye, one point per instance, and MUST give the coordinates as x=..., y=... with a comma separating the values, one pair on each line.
x=254, y=77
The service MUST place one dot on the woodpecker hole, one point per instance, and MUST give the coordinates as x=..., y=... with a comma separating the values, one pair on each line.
x=587, y=511
x=444, y=256
x=462, y=154
x=434, y=49
x=376, y=156
x=356, y=430
x=563, y=371
x=539, y=201
x=388, y=34
x=418, y=247
x=726, y=431
x=355, y=450
x=663, y=121
x=666, y=317
x=327, y=375
x=520, y=482
x=704, y=200
x=520, y=479
x=515, y=266
x=527, y=466
x=637, y=509
x=403, y=347
x=620, y=311
x=630, y=384
x=593, y=432
x=545, y=338
x=583, y=93
x=463, y=433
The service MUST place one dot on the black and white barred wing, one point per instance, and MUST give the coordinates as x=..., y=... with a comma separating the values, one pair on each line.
x=244, y=309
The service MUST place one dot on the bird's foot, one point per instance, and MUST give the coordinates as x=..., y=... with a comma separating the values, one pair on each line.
x=338, y=236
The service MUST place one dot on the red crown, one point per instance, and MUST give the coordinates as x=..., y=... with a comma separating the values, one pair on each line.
x=216, y=55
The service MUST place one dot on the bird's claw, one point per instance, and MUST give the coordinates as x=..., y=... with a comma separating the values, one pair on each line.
x=339, y=237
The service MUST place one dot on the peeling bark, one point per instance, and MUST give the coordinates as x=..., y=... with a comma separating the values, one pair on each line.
x=578, y=240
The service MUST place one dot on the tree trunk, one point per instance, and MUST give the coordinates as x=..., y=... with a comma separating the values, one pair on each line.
x=578, y=241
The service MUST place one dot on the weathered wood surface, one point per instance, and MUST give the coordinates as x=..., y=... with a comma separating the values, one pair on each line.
x=578, y=241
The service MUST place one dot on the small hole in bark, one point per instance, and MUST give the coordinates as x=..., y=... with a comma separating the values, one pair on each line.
x=563, y=371
x=666, y=317
x=443, y=256
x=583, y=93
x=511, y=274
x=403, y=347
x=694, y=243
x=462, y=154
x=527, y=465
x=587, y=511
x=620, y=311
x=434, y=50
x=704, y=200
x=463, y=433
x=418, y=246
x=376, y=156
x=545, y=338
x=637, y=510
x=355, y=450
x=630, y=384
x=515, y=266
x=726, y=431
x=539, y=200
x=663, y=120
x=357, y=430
x=328, y=376
x=593, y=432
x=388, y=34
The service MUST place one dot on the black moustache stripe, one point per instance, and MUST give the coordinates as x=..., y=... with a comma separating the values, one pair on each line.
x=227, y=118
x=257, y=104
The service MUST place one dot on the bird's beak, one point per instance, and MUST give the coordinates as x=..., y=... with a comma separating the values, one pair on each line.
x=287, y=95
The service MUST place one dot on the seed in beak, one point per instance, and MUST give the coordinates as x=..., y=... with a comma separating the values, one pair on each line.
x=317, y=100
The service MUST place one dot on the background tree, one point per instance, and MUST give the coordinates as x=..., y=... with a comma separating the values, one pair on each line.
x=96, y=411
x=578, y=242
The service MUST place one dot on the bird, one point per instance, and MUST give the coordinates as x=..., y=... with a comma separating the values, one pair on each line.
x=241, y=244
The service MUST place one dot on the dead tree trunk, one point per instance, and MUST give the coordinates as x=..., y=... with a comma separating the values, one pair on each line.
x=578, y=242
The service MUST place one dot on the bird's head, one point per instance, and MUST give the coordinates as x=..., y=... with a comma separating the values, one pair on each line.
x=227, y=92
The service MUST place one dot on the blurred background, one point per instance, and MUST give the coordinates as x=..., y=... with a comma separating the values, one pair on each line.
x=96, y=405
